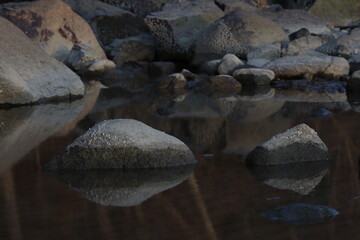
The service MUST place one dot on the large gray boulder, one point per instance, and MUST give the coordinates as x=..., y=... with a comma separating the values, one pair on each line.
x=238, y=33
x=297, y=66
x=28, y=74
x=297, y=144
x=53, y=26
x=177, y=26
x=123, y=188
x=123, y=143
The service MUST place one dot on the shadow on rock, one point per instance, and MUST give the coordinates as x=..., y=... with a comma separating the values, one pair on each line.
x=301, y=178
x=123, y=188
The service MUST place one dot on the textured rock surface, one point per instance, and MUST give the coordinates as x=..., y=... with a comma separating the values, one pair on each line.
x=295, y=66
x=176, y=27
x=223, y=82
x=123, y=143
x=303, y=44
x=123, y=188
x=269, y=51
x=297, y=144
x=301, y=177
x=238, y=33
x=254, y=76
x=228, y=64
x=301, y=213
x=28, y=74
x=53, y=25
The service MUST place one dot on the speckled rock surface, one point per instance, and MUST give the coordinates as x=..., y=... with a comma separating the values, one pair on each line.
x=238, y=33
x=28, y=74
x=122, y=143
x=254, y=76
x=295, y=66
x=297, y=144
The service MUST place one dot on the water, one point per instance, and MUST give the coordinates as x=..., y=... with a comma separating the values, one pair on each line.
x=219, y=199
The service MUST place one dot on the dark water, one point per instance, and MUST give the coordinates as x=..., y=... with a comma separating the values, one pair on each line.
x=219, y=199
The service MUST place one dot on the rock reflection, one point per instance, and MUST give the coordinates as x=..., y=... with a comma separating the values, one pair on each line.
x=123, y=188
x=301, y=177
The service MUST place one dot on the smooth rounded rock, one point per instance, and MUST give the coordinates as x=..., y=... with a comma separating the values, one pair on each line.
x=228, y=64
x=254, y=76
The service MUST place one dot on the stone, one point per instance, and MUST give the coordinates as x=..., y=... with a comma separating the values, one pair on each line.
x=122, y=143
x=229, y=6
x=223, y=82
x=354, y=62
x=173, y=81
x=123, y=188
x=257, y=62
x=210, y=67
x=340, y=13
x=297, y=66
x=133, y=49
x=228, y=64
x=292, y=20
x=177, y=25
x=238, y=33
x=300, y=213
x=301, y=178
x=100, y=66
x=254, y=76
x=297, y=144
x=159, y=69
x=28, y=74
x=53, y=26
x=345, y=46
x=353, y=85
x=269, y=52
x=303, y=44
x=303, y=32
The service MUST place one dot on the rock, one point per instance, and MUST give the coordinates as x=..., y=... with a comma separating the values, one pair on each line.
x=122, y=143
x=28, y=74
x=254, y=76
x=300, y=213
x=339, y=13
x=353, y=85
x=229, y=6
x=295, y=66
x=159, y=69
x=53, y=25
x=101, y=66
x=294, y=4
x=345, y=46
x=123, y=188
x=223, y=82
x=133, y=49
x=304, y=44
x=303, y=32
x=173, y=81
x=176, y=27
x=301, y=177
x=269, y=52
x=354, y=62
x=229, y=63
x=210, y=67
x=238, y=33
x=297, y=144
x=293, y=95
x=292, y=20
x=258, y=62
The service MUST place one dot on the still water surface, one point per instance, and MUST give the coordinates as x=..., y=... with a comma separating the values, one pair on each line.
x=220, y=198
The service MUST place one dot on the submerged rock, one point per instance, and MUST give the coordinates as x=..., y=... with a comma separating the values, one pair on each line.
x=297, y=144
x=28, y=74
x=300, y=177
x=301, y=213
x=123, y=188
x=122, y=143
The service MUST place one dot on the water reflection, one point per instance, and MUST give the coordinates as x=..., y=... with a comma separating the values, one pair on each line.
x=123, y=188
x=301, y=177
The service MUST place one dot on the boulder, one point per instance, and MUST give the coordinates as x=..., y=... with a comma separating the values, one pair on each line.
x=177, y=26
x=258, y=62
x=229, y=63
x=122, y=143
x=28, y=74
x=229, y=6
x=210, y=67
x=269, y=51
x=297, y=66
x=345, y=46
x=300, y=213
x=238, y=33
x=297, y=144
x=223, y=82
x=100, y=66
x=304, y=44
x=133, y=49
x=292, y=20
x=53, y=25
x=254, y=76
x=340, y=13
x=353, y=85
x=354, y=62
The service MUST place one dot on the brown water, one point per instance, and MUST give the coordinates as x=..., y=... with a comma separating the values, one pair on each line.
x=219, y=199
